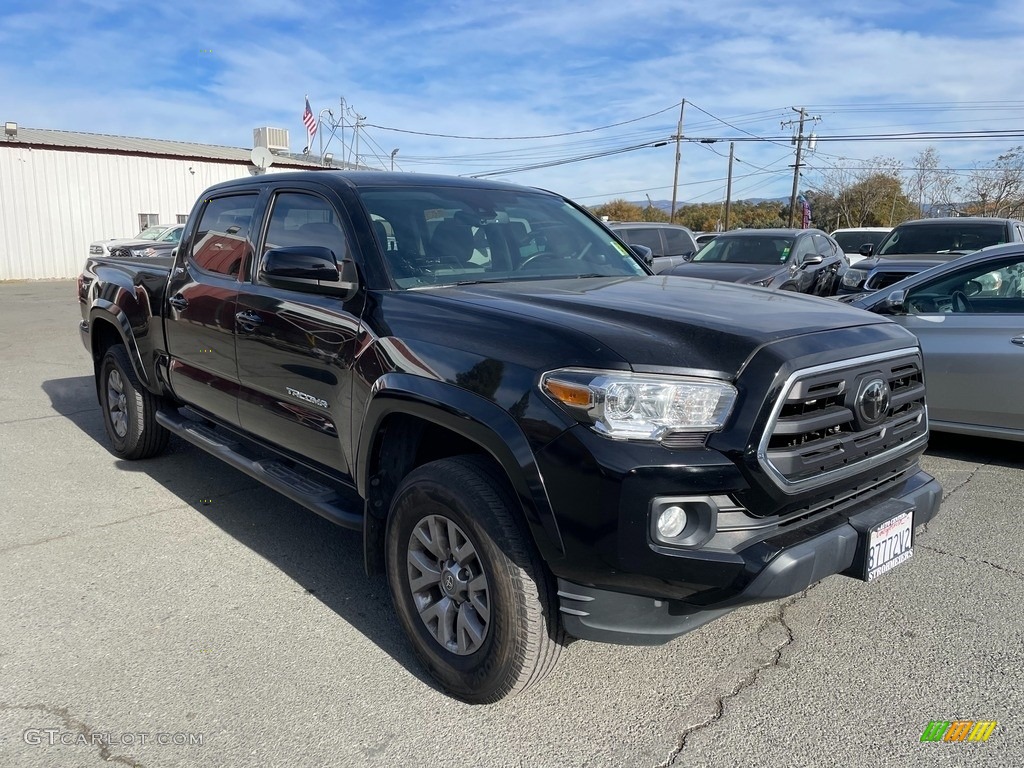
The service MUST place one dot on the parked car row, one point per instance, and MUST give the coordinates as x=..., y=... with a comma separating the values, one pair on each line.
x=914, y=246
x=966, y=305
x=152, y=241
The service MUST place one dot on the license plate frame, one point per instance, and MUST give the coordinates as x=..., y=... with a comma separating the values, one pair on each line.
x=888, y=544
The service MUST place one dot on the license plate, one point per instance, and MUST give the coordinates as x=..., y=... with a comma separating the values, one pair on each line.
x=889, y=544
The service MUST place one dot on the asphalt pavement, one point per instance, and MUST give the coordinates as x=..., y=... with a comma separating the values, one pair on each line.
x=173, y=612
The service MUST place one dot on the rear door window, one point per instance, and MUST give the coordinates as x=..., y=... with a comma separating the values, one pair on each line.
x=649, y=237
x=678, y=242
x=221, y=245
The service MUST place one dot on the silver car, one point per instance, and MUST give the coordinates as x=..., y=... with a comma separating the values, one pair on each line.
x=969, y=317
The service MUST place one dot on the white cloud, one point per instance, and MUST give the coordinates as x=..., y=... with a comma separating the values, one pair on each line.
x=527, y=68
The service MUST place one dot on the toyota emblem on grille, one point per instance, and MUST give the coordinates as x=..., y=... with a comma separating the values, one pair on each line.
x=873, y=401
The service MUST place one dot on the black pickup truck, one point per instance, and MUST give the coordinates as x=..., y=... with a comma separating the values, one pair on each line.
x=533, y=433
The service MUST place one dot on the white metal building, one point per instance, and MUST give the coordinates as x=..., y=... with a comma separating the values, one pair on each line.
x=60, y=191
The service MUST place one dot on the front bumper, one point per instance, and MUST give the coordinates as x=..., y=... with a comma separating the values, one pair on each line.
x=834, y=546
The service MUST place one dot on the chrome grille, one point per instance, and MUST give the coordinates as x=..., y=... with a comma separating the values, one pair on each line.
x=833, y=421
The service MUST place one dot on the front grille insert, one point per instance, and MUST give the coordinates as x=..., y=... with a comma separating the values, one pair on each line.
x=835, y=420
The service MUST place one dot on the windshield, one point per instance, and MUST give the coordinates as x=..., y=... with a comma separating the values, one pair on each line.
x=172, y=235
x=942, y=237
x=851, y=242
x=150, y=233
x=452, y=235
x=747, y=249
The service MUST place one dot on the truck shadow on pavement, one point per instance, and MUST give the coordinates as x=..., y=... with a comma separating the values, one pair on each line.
x=324, y=560
x=981, y=450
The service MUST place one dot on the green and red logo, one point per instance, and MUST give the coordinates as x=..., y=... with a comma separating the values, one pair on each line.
x=958, y=730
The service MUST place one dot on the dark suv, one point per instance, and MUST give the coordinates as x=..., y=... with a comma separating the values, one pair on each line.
x=801, y=260
x=670, y=244
x=915, y=246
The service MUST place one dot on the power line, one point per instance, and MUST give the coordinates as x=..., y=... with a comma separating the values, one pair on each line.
x=521, y=138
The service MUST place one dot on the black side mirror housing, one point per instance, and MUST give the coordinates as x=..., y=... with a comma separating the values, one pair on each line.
x=811, y=259
x=866, y=250
x=310, y=268
x=645, y=254
x=895, y=303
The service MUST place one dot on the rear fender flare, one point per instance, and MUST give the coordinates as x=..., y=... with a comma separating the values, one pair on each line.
x=104, y=311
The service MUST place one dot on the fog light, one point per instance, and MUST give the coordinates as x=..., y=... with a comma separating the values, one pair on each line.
x=671, y=521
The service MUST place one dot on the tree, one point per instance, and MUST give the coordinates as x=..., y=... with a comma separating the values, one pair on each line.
x=998, y=188
x=865, y=193
x=925, y=177
x=619, y=210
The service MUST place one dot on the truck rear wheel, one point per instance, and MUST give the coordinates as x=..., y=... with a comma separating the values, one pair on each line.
x=467, y=584
x=129, y=409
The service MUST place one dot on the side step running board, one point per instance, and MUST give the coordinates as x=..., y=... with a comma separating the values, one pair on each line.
x=273, y=473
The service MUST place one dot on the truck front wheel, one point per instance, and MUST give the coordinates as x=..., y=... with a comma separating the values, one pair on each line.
x=467, y=584
x=129, y=409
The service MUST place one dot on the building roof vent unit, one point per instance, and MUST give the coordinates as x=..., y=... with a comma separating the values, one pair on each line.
x=274, y=139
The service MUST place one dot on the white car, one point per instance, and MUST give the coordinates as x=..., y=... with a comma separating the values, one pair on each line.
x=852, y=238
x=147, y=237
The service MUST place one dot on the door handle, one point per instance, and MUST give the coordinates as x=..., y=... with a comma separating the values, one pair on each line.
x=179, y=302
x=248, y=321
x=1018, y=340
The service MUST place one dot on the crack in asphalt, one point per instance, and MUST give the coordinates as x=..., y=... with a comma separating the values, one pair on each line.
x=51, y=416
x=974, y=561
x=748, y=680
x=77, y=726
x=946, y=496
x=60, y=536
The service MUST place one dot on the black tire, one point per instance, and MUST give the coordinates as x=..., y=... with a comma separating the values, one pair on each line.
x=521, y=635
x=129, y=409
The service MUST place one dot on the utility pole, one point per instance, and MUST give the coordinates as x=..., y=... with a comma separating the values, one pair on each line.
x=675, y=177
x=796, y=168
x=359, y=122
x=799, y=141
x=728, y=186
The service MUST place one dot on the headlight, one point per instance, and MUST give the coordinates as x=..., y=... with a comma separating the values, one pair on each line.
x=637, y=406
x=854, y=277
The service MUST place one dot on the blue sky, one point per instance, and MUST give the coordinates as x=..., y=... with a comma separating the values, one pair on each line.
x=210, y=72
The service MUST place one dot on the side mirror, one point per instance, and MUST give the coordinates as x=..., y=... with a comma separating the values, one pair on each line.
x=894, y=303
x=811, y=259
x=309, y=268
x=645, y=254
x=972, y=288
x=866, y=250
x=688, y=255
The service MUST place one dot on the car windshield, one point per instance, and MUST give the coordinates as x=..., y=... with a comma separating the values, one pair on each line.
x=851, y=242
x=446, y=235
x=942, y=238
x=150, y=233
x=746, y=249
x=172, y=235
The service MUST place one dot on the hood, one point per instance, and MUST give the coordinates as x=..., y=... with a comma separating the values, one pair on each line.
x=647, y=322
x=909, y=261
x=730, y=273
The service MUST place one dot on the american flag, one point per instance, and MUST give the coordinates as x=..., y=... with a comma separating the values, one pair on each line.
x=309, y=120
